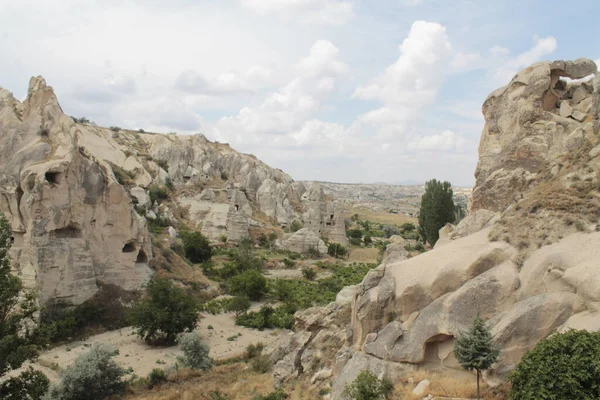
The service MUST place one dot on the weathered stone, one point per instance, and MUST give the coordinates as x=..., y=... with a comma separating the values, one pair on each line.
x=565, y=109
x=421, y=388
x=580, y=68
x=578, y=116
x=304, y=239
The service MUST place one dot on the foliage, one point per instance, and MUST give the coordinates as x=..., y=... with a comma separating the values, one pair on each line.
x=354, y=233
x=390, y=230
x=195, y=352
x=312, y=252
x=165, y=312
x=355, y=241
x=157, y=225
x=564, y=366
x=156, y=377
x=437, y=209
x=261, y=364
x=122, y=176
x=268, y=318
x=157, y=193
x=295, y=226
x=250, y=283
x=115, y=128
x=367, y=386
x=164, y=164
x=197, y=247
x=475, y=349
x=141, y=130
x=276, y=395
x=93, y=376
x=239, y=305
x=18, y=338
x=30, y=384
x=336, y=250
x=289, y=263
x=309, y=273
x=267, y=241
x=367, y=240
x=254, y=350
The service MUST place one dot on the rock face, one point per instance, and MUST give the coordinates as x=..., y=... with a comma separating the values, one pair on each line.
x=407, y=312
x=78, y=195
x=528, y=124
x=304, y=239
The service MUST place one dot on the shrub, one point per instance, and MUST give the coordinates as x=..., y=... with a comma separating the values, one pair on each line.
x=195, y=353
x=156, y=377
x=366, y=386
x=336, y=250
x=312, y=252
x=254, y=350
x=157, y=193
x=93, y=376
x=354, y=233
x=295, y=226
x=355, y=241
x=239, y=305
x=30, y=384
x=390, y=230
x=44, y=132
x=251, y=284
x=289, y=263
x=141, y=130
x=164, y=164
x=224, y=176
x=196, y=246
x=564, y=366
x=368, y=240
x=165, y=312
x=157, y=225
x=309, y=273
x=115, y=128
x=276, y=395
x=261, y=364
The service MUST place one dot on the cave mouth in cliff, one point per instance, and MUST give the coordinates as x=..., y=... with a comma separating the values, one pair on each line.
x=129, y=247
x=68, y=232
x=435, y=349
x=53, y=177
x=142, y=258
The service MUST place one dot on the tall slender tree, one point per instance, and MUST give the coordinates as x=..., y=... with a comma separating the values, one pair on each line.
x=476, y=350
x=18, y=333
x=437, y=209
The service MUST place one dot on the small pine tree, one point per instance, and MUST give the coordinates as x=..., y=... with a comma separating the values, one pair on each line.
x=437, y=209
x=475, y=350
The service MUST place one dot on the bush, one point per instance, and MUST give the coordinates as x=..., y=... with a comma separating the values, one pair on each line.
x=195, y=353
x=156, y=377
x=354, y=233
x=295, y=226
x=309, y=273
x=93, y=376
x=564, y=366
x=158, y=224
x=197, y=247
x=30, y=384
x=254, y=350
x=355, y=241
x=251, y=284
x=165, y=312
x=157, y=193
x=141, y=130
x=276, y=395
x=390, y=230
x=312, y=252
x=115, y=128
x=336, y=250
x=366, y=386
x=239, y=305
x=164, y=164
x=288, y=263
x=368, y=240
x=261, y=364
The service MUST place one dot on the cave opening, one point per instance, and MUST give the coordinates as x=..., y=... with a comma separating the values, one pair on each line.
x=129, y=247
x=53, y=177
x=142, y=258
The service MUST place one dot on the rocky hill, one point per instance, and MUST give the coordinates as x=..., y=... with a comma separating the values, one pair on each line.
x=525, y=258
x=80, y=198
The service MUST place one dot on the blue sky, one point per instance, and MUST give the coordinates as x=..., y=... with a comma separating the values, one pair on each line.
x=338, y=90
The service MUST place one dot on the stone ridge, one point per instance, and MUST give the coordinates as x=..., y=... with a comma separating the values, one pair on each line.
x=69, y=191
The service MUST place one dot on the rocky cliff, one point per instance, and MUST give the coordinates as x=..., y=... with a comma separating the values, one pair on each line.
x=525, y=259
x=78, y=197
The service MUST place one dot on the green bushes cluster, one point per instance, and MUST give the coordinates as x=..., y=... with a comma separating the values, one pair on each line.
x=196, y=247
x=158, y=193
x=195, y=352
x=250, y=283
x=337, y=250
x=367, y=386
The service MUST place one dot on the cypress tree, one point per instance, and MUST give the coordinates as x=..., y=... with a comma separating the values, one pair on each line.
x=475, y=350
x=437, y=209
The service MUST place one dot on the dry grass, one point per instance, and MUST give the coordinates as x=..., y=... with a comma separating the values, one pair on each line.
x=446, y=386
x=364, y=255
x=381, y=217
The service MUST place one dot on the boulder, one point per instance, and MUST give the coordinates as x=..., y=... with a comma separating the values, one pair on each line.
x=421, y=388
x=304, y=239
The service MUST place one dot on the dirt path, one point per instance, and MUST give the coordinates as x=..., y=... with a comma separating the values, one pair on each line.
x=141, y=358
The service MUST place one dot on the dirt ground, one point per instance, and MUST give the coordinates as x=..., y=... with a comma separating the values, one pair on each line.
x=134, y=353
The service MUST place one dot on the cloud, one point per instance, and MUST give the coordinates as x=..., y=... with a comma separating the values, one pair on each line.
x=231, y=82
x=110, y=89
x=413, y=81
x=285, y=110
x=465, y=61
x=541, y=48
x=445, y=141
x=320, y=11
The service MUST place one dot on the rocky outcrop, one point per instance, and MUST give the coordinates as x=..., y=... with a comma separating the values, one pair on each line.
x=529, y=123
x=78, y=196
x=303, y=240
x=538, y=172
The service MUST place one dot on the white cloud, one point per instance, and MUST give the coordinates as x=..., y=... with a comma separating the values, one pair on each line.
x=288, y=108
x=465, y=61
x=541, y=48
x=413, y=81
x=445, y=141
x=413, y=2
x=320, y=11
x=498, y=51
x=230, y=82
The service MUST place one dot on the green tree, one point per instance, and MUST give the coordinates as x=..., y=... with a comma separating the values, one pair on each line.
x=309, y=273
x=196, y=246
x=336, y=250
x=195, y=352
x=165, y=312
x=93, y=376
x=564, y=366
x=19, y=338
x=475, y=349
x=238, y=305
x=437, y=209
x=250, y=283
x=366, y=386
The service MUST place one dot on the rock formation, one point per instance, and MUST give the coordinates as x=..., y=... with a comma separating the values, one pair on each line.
x=79, y=196
x=538, y=168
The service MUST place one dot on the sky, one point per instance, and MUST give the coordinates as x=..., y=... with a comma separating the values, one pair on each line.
x=331, y=90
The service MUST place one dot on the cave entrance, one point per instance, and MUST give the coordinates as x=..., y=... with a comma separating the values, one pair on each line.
x=129, y=247
x=142, y=258
x=53, y=177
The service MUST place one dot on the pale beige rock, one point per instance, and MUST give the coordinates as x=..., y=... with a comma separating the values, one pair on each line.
x=304, y=239
x=565, y=109
x=421, y=387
